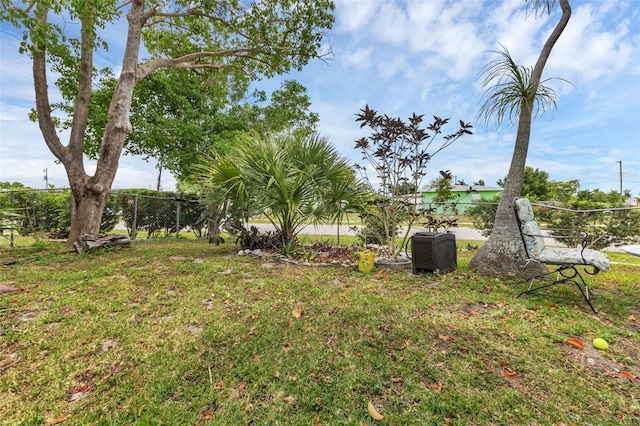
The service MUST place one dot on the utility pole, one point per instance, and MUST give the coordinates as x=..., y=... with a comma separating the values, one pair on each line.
x=620, y=181
x=158, y=186
x=46, y=179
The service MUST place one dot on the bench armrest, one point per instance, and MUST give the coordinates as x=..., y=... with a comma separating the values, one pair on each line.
x=564, y=234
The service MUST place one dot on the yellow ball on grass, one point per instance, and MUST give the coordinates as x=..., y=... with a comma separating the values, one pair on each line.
x=600, y=344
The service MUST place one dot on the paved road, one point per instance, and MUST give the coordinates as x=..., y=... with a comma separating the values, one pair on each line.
x=461, y=233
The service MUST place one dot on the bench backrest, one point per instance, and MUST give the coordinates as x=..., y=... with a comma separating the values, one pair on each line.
x=529, y=229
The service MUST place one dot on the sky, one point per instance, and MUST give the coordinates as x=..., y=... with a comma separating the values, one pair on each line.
x=422, y=56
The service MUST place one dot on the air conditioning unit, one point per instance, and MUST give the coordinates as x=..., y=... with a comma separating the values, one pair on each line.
x=431, y=251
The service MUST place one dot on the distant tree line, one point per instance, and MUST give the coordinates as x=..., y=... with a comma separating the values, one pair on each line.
x=606, y=226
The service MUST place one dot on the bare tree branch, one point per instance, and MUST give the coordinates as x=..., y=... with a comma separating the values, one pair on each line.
x=43, y=106
x=188, y=61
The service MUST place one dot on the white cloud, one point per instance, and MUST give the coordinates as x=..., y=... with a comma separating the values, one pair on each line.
x=359, y=58
x=354, y=15
x=396, y=66
x=588, y=51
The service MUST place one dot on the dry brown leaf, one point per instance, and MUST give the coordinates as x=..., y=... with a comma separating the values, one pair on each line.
x=374, y=413
x=207, y=413
x=288, y=399
x=8, y=289
x=627, y=375
x=436, y=387
x=575, y=342
x=508, y=372
x=297, y=311
x=397, y=380
x=59, y=419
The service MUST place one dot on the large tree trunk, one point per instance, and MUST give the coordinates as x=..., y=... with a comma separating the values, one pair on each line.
x=503, y=253
x=89, y=192
x=88, y=207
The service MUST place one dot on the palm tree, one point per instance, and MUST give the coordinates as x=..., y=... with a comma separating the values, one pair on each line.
x=289, y=178
x=518, y=92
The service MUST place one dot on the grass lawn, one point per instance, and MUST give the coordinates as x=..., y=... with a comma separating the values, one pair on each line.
x=180, y=332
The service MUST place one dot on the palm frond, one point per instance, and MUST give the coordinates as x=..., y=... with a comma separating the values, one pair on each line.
x=509, y=89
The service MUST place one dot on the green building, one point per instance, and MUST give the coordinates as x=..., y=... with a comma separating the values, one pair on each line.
x=464, y=196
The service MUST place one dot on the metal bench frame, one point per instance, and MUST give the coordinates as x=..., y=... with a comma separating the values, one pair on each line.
x=566, y=270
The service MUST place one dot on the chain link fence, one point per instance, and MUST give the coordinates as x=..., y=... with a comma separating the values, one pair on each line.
x=30, y=216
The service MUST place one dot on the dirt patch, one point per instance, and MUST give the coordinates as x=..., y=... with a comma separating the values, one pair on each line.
x=604, y=362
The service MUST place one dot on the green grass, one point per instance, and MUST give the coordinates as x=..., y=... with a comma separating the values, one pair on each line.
x=182, y=332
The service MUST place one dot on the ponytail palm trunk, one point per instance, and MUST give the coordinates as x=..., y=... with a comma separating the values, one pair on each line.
x=519, y=92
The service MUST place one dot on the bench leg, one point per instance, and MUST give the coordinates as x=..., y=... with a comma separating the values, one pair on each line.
x=567, y=274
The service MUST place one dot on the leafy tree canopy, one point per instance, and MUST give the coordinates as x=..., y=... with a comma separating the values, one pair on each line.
x=535, y=185
x=229, y=42
x=177, y=116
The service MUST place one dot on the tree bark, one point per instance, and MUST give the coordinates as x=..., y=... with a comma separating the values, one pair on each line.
x=503, y=253
x=90, y=192
x=90, y=242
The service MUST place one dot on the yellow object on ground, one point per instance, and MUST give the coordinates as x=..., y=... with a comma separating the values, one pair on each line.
x=600, y=344
x=365, y=261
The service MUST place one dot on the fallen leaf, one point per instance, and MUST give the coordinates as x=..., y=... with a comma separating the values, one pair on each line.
x=288, y=399
x=508, y=372
x=489, y=371
x=207, y=413
x=297, y=311
x=58, y=420
x=374, y=413
x=81, y=388
x=627, y=375
x=7, y=289
x=397, y=380
x=575, y=342
x=447, y=420
x=436, y=387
